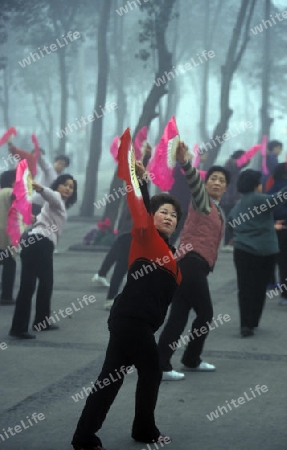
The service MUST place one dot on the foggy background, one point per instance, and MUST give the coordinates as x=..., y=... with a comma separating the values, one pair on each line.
x=121, y=49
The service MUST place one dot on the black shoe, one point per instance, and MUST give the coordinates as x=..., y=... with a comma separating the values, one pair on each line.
x=246, y=331
x=7, y=301
x=24, y=335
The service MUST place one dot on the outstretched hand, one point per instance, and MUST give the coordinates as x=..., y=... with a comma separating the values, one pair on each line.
x=182, y=154
x=37, y=186
x=141, y=172
x=140, y=169
x=147, y=150
x=280, y=225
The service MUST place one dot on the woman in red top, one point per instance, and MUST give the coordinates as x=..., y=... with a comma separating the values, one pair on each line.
x=137, y=313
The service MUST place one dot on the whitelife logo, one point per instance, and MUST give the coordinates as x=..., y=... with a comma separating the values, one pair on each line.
x=12, y=431
x=53, y=47
x=241, y=401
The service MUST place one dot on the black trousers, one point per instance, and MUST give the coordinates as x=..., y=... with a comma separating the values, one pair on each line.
x=282, y=260
x=253, y=275
x=193, y=293
x=131, y=342
x=8, y=275
x=37, y=263
x=118, y=255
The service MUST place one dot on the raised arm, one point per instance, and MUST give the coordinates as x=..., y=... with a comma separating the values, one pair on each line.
x=44, y=165
x=125, y=214
x=143, y=178
x=22, y=155
x=147, y=154
x=130, y=172
x=199, y=197
x=52, y=197
x=16, y=151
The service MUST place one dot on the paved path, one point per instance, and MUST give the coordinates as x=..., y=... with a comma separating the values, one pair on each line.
x=41, y=376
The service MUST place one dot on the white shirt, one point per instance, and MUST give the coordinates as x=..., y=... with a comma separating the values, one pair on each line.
x=51, y=220
x=46, y=178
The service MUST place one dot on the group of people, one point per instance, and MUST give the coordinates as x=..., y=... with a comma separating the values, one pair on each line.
x=148, y=228
x=54, y=193
x=133, y=311
x=139, y=310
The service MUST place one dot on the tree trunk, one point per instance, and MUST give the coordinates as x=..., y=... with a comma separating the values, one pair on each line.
x=112, y=209
x=235, y=52
x=87, y=208
x=205, y=77
x=64, y=98
x=208, y=31
x=266, y=121
x=80, y=149
x=5, y=100
x=43, y=103
x=164, y=64
x=173, y=86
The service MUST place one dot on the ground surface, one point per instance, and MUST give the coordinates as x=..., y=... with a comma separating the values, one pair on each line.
x=42, y=376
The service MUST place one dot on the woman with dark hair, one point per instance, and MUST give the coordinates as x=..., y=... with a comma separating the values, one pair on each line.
x=255, y=246
x=118, y=254
x=49, y=173
x=136, y=315
x=37, y=256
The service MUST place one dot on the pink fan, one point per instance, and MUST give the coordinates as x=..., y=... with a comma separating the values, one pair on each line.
x=140, y=141
x=202, y=174
x=20, y=211
x=263, y=153
x=114, y=148
x=23, y=191
x=164, y=159
x=15, y=225
x=248, y=155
